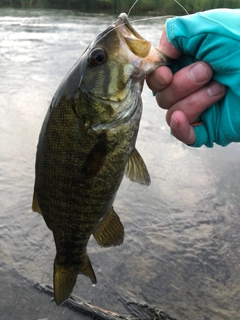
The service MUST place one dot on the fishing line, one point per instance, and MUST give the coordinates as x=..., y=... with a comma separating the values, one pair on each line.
x=181, y=6
x=145, y=19
x=132, y=7
x=152, y=18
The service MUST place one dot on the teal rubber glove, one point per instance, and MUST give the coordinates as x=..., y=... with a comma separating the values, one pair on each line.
x=212, y=36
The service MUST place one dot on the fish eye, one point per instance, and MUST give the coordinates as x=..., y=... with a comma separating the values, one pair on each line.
x=97, y=56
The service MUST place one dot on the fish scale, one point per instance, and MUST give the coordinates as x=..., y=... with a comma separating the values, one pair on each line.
x=87, y=143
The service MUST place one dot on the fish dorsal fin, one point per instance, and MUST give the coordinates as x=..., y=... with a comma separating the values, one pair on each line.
x=110, y=231
x=136, y=169
x=96, y=158
x=35, y=205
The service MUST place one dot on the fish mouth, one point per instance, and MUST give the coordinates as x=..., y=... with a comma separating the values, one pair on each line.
x=124, y=18
x=141, y=48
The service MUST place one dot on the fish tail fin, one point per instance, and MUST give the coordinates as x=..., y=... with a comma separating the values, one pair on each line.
x=65, y=278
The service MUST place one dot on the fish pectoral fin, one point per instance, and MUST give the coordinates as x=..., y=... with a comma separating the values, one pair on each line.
x=35, y=205
x=110, y=231
x=96, y=158
x=136, y=169
x=64, y=281
x=65, y=278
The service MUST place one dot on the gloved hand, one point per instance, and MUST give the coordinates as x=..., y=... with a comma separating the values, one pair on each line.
x=214, y=37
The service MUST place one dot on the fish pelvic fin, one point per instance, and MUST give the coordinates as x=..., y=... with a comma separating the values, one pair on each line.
x=136, y=169
x=65, y=278
x=110, y=231
x=35, y=205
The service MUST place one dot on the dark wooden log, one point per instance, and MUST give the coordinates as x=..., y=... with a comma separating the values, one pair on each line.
x=137, y=311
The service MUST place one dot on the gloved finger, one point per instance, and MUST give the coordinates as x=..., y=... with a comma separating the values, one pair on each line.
x=185, y=82
x=181, y=129
x=159, y=79
x=166, y=47
x=193, y=105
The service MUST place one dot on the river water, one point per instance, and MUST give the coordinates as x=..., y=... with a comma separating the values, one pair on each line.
x=182, y=246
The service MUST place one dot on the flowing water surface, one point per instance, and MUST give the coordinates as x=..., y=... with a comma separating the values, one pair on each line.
x=182, y=246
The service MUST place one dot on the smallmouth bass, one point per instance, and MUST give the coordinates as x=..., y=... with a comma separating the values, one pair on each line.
x=87, y=143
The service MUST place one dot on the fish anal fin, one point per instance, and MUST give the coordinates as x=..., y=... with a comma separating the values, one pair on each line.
x=35, y=205
x=136, y=169
x=110, y=231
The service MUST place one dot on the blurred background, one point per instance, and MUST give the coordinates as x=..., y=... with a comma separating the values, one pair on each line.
x=151, y=7
x=182, y=234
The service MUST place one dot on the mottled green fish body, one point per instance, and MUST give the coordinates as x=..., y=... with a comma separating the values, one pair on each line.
x=87, y=143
